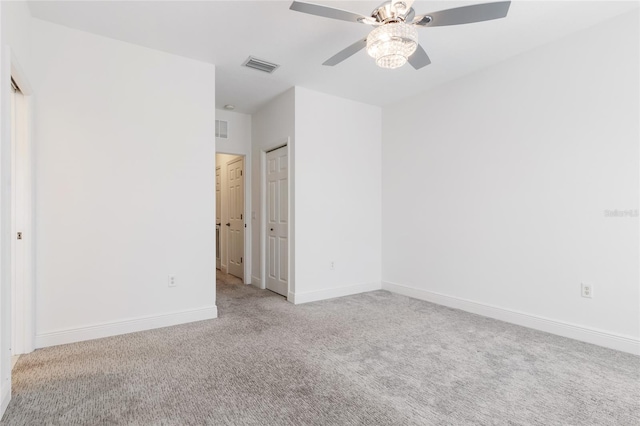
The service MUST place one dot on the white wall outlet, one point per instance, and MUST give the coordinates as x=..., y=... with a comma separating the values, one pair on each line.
x=172, y=281
x=332, y=265
x=587, y=290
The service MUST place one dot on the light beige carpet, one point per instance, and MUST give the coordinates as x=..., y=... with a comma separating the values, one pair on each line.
x=369, y=359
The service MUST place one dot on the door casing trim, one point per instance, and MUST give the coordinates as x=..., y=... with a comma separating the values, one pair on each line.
x=263, y=217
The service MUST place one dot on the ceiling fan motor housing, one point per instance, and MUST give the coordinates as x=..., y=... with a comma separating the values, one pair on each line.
x=387, y=13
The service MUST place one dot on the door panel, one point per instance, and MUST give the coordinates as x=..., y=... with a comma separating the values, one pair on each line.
x=277, y=221
x=235, y=172
x=283, y=214
x=272, y=259
x=283, y=254
x=218, y=215
x=272, y=202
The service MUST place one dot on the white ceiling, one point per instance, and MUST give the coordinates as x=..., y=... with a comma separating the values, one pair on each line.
x=227, y=32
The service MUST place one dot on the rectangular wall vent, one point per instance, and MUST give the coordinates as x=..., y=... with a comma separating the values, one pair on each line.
x=260, y=65
x=222, y=129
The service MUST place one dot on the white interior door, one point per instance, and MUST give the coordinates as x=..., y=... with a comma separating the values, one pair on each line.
x=235, y=177
x=18, y=128
x=218, y=215
x=277, y=247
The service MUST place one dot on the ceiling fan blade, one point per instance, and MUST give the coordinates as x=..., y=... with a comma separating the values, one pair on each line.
x=329, y=12
x=346, y=53
x=419, y=58
x=464, y=15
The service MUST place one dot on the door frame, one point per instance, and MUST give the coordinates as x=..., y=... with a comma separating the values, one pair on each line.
x=10, y=67
x=25, y=311
x=263, y=216
x=246, y=214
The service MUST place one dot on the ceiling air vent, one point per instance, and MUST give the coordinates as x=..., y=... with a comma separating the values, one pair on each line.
x=222, y=129
x=260, y=65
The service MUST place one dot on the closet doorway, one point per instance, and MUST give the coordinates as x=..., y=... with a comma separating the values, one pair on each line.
x=230, y=214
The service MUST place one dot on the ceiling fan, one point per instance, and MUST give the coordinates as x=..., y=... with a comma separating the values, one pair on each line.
x=394, y=41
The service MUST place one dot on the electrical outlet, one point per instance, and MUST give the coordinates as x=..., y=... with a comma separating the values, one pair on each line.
x=587, y=290
x=332, y=265
x=172, y=281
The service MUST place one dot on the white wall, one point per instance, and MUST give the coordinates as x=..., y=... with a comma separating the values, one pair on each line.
x=15, y=50
x=16, y=34
x=335, y=162
x=271, y=127
x=239, y=140
x=125, y=186
x=337, y=196
x=495, y=187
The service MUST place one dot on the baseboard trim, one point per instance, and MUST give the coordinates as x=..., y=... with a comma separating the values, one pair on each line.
x=6, y=397
x=123, y=327
x=255, y=281
x=561, y=328
x=314, y=296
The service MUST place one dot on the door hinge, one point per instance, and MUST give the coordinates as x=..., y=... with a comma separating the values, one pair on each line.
x=240, y=172
x=240, y=260
x=240, y=216
x=19, y=235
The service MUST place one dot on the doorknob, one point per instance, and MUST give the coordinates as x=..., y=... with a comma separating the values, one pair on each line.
x=228, y=224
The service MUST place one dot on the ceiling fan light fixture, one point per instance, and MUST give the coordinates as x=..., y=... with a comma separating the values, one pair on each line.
x=391, y=44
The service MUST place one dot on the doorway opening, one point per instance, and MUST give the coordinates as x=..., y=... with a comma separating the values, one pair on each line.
x=231, y=216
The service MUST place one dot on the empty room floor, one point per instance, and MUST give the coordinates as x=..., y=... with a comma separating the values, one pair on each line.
x=370, y=359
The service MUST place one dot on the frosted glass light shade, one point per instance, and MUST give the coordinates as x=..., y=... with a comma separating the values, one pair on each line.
x=391, y=44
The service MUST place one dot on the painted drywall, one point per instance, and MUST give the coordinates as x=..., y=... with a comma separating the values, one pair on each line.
x=16, y=32
x=15, y=21
x=125, y=183
x=239, y=133
x=337, y=196
x=5, y=284
x=496, y=186
x=271, y=127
